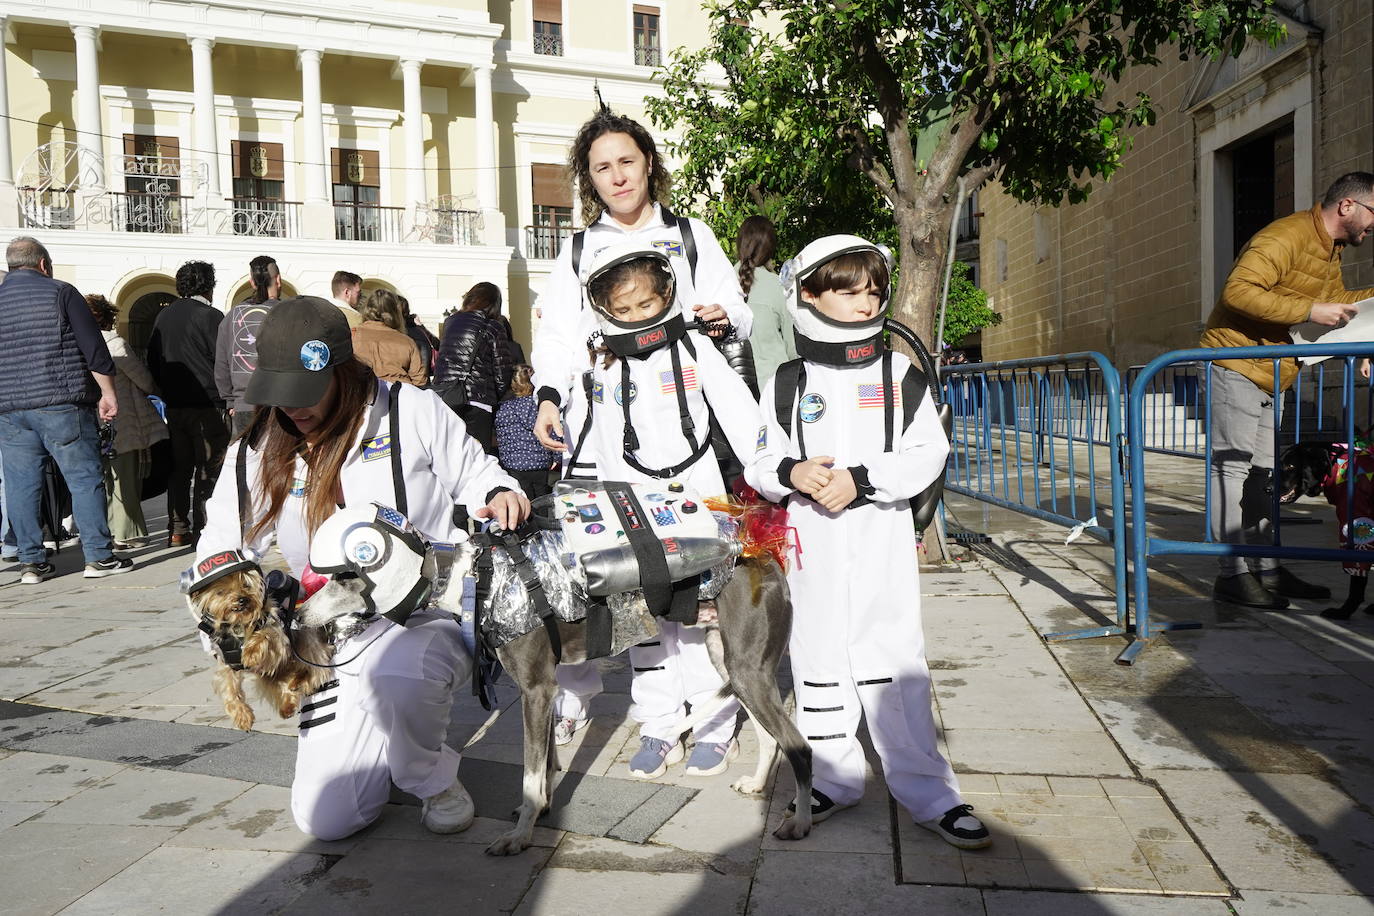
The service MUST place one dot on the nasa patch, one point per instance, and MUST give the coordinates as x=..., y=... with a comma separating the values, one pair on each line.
x=315, y=355
x=811, y=408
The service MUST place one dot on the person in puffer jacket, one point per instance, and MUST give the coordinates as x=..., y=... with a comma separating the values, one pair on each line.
x=474, y=369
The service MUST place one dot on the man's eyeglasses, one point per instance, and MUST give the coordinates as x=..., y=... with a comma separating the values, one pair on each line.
x=1361, y=203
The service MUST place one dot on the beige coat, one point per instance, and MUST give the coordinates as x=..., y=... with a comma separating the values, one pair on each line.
x=138, y=425
x=392, y=355
x=1289, y=265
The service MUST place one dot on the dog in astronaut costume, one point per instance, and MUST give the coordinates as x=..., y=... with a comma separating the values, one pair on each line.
x=857, y=648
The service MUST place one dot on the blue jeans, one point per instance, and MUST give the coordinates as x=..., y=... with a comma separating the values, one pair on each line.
x=69, y=434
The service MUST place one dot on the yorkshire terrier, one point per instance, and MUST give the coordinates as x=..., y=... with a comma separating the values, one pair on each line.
x=245, y=628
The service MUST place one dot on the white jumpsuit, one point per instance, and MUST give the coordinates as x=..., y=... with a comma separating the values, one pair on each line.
x=384, y=717
x=857, y=648
x=674, y=668
x=559, y=355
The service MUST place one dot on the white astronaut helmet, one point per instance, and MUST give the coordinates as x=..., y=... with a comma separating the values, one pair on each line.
x=819, y=338
x=376, y=544
x=636, y=338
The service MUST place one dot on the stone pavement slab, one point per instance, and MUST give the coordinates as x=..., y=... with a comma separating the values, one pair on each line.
x=140, y=797
x=652, y=892
x=1270, y=903
x=46, y=866
x=799, y=880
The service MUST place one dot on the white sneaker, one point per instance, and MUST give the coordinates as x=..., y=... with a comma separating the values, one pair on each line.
x=451, y=811
x=564, y=727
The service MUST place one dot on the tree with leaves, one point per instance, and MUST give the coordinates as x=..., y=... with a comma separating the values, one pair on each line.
x=864, y=116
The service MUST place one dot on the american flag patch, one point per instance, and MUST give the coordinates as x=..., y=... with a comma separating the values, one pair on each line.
x=387, y=514
x=689, y=380
x=872, y=396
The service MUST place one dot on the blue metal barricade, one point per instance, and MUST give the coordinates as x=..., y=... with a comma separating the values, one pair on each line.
x=1035, y=436
x=1317, y=424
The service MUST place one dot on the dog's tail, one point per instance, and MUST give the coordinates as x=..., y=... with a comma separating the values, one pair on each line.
x=705, y=710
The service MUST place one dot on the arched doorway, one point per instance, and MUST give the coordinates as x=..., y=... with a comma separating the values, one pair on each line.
x=142, y=314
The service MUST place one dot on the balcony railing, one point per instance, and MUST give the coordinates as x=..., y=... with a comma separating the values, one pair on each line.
x=548, y=43
x=265, y=218
x=544, y=241
x=968, y=227
x=364, y=222
x=453, y=226
x=648, y=56
x=47, y=208
x=133, y=211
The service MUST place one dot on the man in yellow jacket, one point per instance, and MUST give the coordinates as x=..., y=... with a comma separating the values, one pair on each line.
x=1290, y=272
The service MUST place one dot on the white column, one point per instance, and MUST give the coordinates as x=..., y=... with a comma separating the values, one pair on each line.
x=317, y=161
x=6, y=162
x=206, y=136
x=414, y=134
x=89, y=124
x=484, y=122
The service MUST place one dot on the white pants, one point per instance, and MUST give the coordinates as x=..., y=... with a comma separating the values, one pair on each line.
x=382, y=720
x=858, y=652
x=669, y=671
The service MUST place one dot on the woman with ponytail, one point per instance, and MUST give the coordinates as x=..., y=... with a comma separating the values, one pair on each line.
x=772, y=335
x=236, y=348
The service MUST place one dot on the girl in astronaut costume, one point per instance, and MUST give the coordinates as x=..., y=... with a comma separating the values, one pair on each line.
x=848, y=474
x=383, y=719
x=651, y=407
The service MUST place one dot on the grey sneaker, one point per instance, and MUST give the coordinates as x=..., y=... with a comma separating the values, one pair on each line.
x=110, y=566
x=654, y=757
x=709, y=759
x=35, y=573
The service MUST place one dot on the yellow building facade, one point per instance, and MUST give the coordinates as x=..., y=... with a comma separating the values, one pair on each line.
x=418, y=144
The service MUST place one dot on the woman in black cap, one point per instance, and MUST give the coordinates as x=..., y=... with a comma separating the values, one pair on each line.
x=321, y=439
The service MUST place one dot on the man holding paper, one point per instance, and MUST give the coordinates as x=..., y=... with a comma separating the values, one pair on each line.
x=1289, y=273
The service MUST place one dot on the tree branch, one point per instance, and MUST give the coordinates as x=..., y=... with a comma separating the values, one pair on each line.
x=895, y=114
x=988, y=45
x=865, y=159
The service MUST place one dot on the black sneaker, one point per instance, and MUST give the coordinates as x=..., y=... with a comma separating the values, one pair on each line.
x=1247, y=591
x=1290, y=586
x=821, y=807
x=958, y=827
x=111, y=566
x=35, y=573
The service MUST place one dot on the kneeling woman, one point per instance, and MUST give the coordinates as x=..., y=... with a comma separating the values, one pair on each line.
x=327, y=434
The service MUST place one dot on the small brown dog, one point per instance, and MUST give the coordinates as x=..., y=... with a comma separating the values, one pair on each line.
x=228, y=599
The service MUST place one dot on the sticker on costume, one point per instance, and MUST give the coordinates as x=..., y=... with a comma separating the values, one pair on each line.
x=297, y=488
x=598, y=392
x=634, y=393
x=811, y=408
x=763, y=439
x=670, y=545
x=594, y=528
x=654, y=497
x=669, y=247
x=872, y=396
x=1363, y=532
x=315, y=355
x=377, y=447
x=589, y=513
x=668, y=384
x=663, y=516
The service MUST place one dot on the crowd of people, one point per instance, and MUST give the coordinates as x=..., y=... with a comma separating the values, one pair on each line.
x=278, y=413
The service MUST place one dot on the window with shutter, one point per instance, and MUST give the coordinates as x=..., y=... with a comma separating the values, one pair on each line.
x=151, y=201
x=553, y=214
x=548, y=27
x=648, y=50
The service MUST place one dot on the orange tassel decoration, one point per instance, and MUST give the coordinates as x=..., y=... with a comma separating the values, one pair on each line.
x=763, y=526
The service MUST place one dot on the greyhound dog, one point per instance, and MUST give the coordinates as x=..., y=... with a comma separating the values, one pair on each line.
x=754, y=620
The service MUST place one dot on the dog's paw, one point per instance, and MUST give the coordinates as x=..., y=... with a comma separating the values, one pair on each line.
x=510, y=844
x=748, y=785
x=289, y=707
x=793, y=828
x=242, y=717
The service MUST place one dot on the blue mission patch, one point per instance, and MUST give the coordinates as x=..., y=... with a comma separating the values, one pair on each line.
x=376, y=447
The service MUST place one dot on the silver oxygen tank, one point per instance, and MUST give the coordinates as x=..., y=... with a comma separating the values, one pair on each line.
x=616, y=569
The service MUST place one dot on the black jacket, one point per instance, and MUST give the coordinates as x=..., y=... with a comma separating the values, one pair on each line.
x=181, y=354
x=474, y=359
x=425, y=342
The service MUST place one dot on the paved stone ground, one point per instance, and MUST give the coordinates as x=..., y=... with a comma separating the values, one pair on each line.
x=1228, y=771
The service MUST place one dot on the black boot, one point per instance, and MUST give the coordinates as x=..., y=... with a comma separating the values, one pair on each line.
x=1290, y=586
x=1353, y=599
x=1247, y=591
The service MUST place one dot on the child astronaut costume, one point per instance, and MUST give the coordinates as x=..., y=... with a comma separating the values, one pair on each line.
x=650, y=419
x=857, y=647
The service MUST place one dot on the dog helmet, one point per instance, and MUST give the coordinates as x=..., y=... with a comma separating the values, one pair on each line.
x=376, y=544
x=636, y=338
x=819, y=338
x=216, y=566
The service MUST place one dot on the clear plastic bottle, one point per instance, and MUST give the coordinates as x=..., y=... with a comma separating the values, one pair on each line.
x=616, y=570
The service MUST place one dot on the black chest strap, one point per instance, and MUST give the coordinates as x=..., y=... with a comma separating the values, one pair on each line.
x=398, y=480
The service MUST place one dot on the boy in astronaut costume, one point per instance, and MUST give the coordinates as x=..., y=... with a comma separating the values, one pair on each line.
x=857, y=648
x=653, y=392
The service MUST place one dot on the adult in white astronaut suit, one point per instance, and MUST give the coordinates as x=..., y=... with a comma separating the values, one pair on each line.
x=654, y=391
x=325, y=441
x=848, y=467
x=623, y=185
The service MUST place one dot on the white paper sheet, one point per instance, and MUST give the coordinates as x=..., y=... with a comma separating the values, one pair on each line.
x=1359, y=329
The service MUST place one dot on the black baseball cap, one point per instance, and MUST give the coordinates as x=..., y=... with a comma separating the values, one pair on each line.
x=299, y=343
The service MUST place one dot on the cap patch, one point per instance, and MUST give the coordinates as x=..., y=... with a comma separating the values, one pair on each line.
x=315, y=355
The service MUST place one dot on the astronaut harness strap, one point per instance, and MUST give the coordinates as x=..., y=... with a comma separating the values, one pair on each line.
x=631, y=439
x=508, y=543
x=398, y=479
x=587, y=387
x=655, y=579
x=684, y=228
